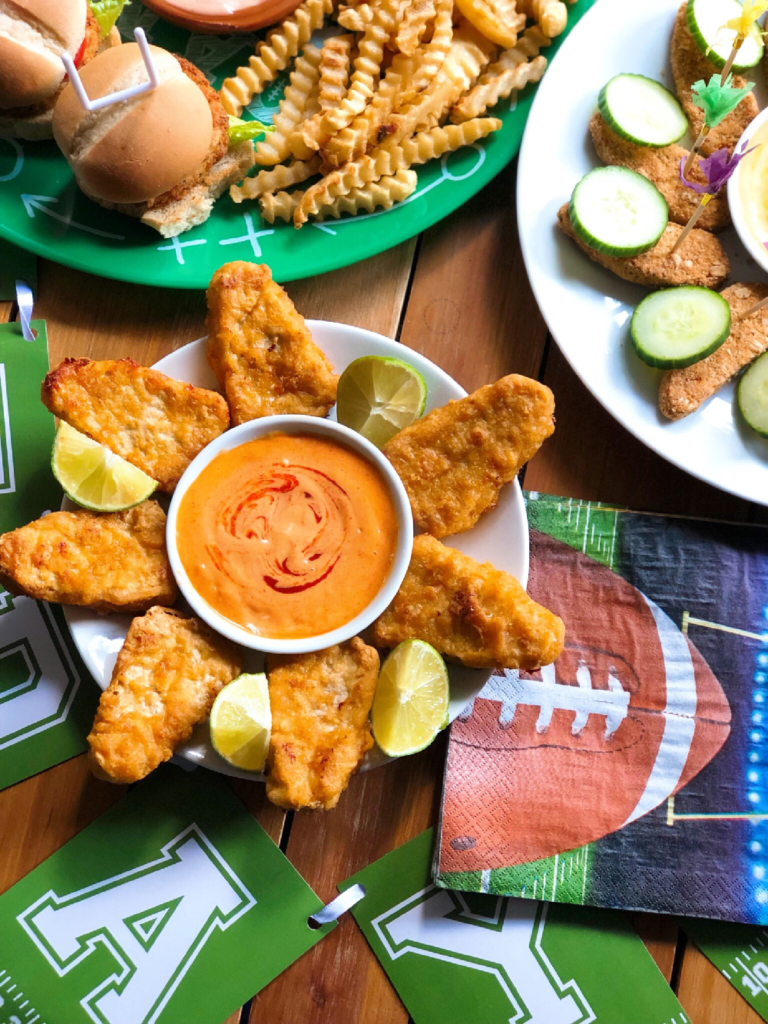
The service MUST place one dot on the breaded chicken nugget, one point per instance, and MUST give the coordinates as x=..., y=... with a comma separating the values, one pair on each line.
x=113, y=563
x=475, y=613
x=682, y=391
x=320, y=731
x=701, y=258
x=260, y=348
x=166, y=678
x=455, y=460
x=661, y=166
x=157, y=423
x=689, y=65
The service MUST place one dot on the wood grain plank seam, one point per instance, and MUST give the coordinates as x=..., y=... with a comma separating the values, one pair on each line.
x=408, y=287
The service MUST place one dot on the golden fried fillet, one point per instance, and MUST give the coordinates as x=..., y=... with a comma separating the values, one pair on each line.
x=683, y=391
x=689, y=65
x=455, y=460
x=475, y=613
x=320, y=732
x=156, y=423
x=115, y=562
x=166, y=678
x=260, y=348
x=700, y=259
x=662, y=167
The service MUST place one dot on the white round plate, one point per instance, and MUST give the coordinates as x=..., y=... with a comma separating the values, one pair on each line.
x=500, y=537
x=586, y=307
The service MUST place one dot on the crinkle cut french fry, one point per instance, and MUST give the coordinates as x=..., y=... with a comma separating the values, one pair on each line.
x=383, y=193
x=273, y=55
x=388, y=159
x=280, y=177
x=433, y=54
x=413, y=26
x=279, y=205
x=496, y=85
x=551, y=15
x=335, y=58
x=294, y=107
x=498, y=20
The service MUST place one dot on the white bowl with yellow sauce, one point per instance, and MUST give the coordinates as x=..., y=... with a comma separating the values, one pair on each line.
x=289, y=534
x=748, y=191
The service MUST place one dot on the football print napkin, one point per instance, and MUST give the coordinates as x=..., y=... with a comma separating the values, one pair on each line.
x=47, y=699
x=632, y=772
x=173, y=906
x=461, y=957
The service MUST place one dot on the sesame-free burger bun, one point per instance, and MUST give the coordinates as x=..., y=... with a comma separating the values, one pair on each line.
x=33, y=35
x=135, y=150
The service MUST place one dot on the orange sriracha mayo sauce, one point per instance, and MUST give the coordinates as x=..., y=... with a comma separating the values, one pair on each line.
x=289, y=535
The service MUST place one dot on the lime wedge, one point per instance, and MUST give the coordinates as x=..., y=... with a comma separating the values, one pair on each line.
x=410, y=706
x=95, y=477
x=378, y=396
x=241, y=721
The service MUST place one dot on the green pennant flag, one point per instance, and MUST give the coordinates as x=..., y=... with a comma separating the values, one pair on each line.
x=173, y=906
x=47, y=699
x=740, y=953
x=469, y=957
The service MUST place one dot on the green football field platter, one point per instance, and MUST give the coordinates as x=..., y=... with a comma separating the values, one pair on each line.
x=41, y=208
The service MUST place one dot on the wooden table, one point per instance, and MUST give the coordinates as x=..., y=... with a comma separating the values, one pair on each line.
x=459, y=295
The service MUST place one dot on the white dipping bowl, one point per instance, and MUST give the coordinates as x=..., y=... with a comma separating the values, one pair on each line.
x=753, y=245
x=316, y=427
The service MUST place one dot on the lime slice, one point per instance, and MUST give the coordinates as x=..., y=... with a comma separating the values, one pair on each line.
x=378, y=396
x=411, y=702
x=241, y=721
x=95, y=477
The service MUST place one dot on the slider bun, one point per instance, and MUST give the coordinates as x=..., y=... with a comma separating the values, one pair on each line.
x=136, y=150
x=33, y=35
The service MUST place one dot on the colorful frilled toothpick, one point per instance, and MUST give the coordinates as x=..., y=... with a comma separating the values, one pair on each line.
x=717, y=98
x=745, y=23
x=716, y=169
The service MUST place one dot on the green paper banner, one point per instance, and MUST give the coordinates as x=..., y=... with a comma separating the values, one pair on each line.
x=174, y=906
x=740, y=953
x=459, y=957
x=47, y=699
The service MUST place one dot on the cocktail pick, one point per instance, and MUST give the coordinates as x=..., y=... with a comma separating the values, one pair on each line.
x=716, y=169
x=757, y=306
x=122, y=94
x=717, y=99
x=751, y=10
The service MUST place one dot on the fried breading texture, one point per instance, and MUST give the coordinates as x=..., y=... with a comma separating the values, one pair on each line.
x=166, y=678
x=109, y=562
x=681, y=392
x=701, y=258
x=455, y=460
x=689, y=65
x=320, y=731
x=475, y=613
x=156, y=423
x=260, y=348
x=661, y=166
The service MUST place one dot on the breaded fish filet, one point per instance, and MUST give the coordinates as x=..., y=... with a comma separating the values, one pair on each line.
x=166, y=678
x=320, y=731
x=682, y=391
x=113, y=562
x=475, y=613
x=260, y=348
x=455, y=460
x=156, y=423
x=701, y=258
x=689, y=65
x=661, y=166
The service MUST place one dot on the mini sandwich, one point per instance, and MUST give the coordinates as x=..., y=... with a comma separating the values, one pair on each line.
x=162, y=156
x=33, y=36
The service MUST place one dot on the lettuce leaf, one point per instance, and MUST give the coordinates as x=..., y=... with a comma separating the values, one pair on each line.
x=106, y=12
x=240, y=131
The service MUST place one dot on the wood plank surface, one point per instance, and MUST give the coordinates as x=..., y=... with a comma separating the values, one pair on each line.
x=459, y=296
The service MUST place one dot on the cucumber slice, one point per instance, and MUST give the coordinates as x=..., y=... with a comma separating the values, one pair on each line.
x=680, y=326
x=642, y=111
x=618, y=212
x=706, y=19
x=752, y=395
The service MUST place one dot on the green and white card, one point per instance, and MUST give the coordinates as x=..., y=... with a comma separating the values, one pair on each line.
x=740, y=953
x=174, y=906
x=470, y=957
x=47, y=699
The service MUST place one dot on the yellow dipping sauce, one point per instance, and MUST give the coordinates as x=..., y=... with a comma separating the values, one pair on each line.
x=753, y=186
x=289, y=535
